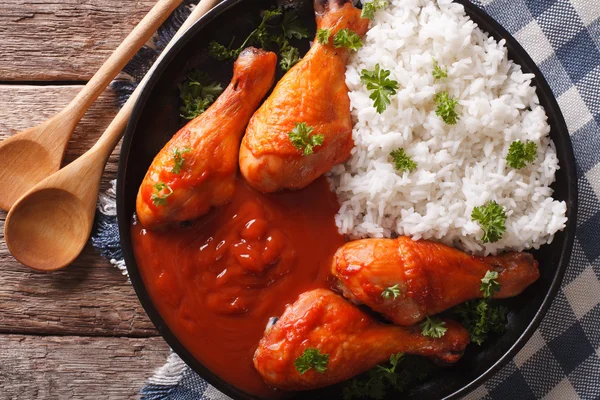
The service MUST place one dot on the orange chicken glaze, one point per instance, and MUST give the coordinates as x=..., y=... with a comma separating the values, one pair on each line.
x=431, y=277
x=209, y=145
x=314, y=91
x=354, y=341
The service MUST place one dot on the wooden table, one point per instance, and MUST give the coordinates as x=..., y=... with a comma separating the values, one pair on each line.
x=81, y=332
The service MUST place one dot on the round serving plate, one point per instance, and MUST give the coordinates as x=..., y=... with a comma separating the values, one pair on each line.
x=155, y=119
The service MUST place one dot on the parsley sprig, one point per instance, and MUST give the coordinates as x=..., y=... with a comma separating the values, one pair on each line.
x=480, y=317
x=197, y=93
x=433, y=327
x=161, y=192
x=402, y=161
x=446, y=108
x=268, y=35
x=178, y=159
x=312, y=358
x=368, y=10
x=302, y=139
x=520, y=154
x=439, y=72
x=323, y=35
x=400, y=372
x=391, y=292
x=348, y=39
x=491, y=218
x=381, y=87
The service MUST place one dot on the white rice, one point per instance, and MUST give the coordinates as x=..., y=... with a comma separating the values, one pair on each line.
x=459, y=167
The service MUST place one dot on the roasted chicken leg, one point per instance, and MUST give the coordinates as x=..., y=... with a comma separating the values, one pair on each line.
x=197, y=168
x=353, y=341
x=429, y=277
x=313, y=93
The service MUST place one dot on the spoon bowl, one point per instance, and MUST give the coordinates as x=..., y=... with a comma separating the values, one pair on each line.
x=52, y=224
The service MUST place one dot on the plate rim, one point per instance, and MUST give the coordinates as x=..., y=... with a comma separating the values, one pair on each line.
x=493, y=28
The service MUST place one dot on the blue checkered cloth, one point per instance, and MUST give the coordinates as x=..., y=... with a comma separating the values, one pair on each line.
x=562, y=359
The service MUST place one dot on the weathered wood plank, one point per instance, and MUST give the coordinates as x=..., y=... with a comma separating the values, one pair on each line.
x=53, y=367
x=90, y=297
x=63, y=39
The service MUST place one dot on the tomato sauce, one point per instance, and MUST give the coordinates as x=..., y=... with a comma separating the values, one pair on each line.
x=217, y=281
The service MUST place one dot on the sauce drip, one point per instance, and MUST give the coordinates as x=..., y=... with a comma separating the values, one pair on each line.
x=217, y=281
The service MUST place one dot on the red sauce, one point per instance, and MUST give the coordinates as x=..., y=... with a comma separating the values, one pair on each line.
x=217, y=282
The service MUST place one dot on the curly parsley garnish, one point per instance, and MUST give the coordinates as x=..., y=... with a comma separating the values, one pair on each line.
x=368, y=10
x=433, y=327
x=491, y=218
x=381, y=87
x=439, y=72
x=391, y=292
x=348, y=39
x=268, y=35
x=302, y=139
x=162, y=191
x=323, y=35
x=481, y=319
x=489, y=284
x=178, y=159
x=446, y=108
x=519, y=154
x=402, y=161
x=401, y=372
x=312, y=358
x=197, y=93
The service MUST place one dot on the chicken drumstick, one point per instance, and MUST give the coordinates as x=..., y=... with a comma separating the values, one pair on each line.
x=197, y=168
x=313, y=93
x=428, y=277
x=352, y=341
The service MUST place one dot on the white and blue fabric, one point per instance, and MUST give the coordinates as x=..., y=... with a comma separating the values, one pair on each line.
x=562, y=359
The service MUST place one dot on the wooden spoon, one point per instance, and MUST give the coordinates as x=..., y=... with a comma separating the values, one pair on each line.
x=47, y=228
x=35, y=153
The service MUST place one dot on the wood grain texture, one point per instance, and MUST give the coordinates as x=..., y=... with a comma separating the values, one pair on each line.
x=90, y=297
x=54, y=367
x=63, y=39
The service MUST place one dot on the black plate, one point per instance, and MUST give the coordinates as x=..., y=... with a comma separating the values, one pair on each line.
x=156, y=117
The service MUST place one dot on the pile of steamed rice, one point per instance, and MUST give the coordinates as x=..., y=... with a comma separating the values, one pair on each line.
x=460, y=166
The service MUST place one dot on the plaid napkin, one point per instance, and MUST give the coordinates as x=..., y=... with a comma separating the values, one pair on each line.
x=562, y=359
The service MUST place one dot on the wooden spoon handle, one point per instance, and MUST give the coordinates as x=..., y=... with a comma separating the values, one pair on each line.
x=121, y=56
x=115, y=130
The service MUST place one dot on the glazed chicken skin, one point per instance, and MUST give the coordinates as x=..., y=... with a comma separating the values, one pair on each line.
x=313, y=92
x=354, y=341
x=206, y=149
x=431, y=277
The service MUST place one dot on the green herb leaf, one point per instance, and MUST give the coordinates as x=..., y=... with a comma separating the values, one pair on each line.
x=401, y=372
x=312, y=358
x=292, y=26
x=178, y=159
x=323, y=35
x=162, y=192
x=433, y=327
x=446, y=108
x=348, y=39
x=197, y=93
x=402, y=161
x=368, y=10
x=381, y=87
x=491, y=218
x=302, y=139
x=391, y=292
x=519, y=154
x=289, y=57
x=222, y=53
x=439, y=72
x=481, y=319
x=489, y=284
